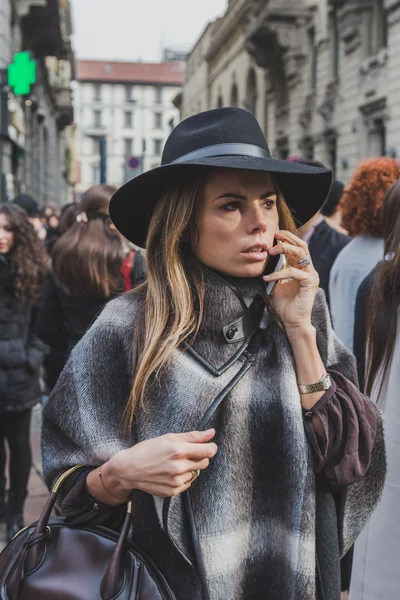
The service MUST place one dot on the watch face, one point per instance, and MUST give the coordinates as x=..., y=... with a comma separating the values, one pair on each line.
x=327, y=382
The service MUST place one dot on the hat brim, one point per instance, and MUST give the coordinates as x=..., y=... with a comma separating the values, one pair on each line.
x=305, y=189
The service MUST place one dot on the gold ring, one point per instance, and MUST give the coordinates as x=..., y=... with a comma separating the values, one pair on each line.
x=195, y=475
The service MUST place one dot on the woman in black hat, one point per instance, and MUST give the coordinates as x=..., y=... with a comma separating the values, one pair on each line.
x=198, y=380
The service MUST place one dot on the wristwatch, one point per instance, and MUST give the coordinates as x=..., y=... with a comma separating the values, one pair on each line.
x=320, y=386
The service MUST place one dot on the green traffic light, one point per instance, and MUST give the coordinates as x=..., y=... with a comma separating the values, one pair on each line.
x=22, y=73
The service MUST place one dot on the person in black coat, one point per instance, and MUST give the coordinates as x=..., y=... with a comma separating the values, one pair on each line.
x=328, y=237
x=323, y=233
x=91, y=264
x=22, y=269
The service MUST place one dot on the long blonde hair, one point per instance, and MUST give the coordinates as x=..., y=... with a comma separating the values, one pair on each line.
x=173, y=304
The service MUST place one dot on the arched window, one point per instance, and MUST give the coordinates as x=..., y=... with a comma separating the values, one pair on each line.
x=251, y=95
x=220, y=102
x=234, y=95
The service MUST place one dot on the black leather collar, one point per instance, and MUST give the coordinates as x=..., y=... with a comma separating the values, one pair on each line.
x=244, y=327
x=233, y=309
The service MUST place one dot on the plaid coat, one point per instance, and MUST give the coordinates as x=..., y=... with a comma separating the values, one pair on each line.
x=267, y=526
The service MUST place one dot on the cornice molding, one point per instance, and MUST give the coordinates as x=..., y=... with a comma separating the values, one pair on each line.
x=232, y=19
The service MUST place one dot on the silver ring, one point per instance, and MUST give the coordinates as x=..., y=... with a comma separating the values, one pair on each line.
x=305, y=261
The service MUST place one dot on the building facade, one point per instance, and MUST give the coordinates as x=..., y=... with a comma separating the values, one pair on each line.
x=320, y=75
x=36, y=129
x=124, y=113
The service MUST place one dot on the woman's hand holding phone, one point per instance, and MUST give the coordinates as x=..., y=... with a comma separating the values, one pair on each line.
x=293, y=298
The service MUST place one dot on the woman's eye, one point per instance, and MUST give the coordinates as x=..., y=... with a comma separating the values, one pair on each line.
x=230, y=206
x=269, y=203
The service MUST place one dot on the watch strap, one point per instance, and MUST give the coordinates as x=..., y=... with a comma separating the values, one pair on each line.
x=320, y=386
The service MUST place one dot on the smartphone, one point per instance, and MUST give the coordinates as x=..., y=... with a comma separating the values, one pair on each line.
x=276, y=262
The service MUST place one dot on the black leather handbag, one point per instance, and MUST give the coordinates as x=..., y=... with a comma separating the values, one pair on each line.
x=51, y=561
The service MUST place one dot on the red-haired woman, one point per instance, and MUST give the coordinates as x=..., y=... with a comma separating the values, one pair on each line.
x=361, y=209
x=22, y=270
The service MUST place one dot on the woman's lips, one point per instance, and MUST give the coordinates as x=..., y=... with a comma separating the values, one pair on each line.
x=256, y=255
x=257, y=252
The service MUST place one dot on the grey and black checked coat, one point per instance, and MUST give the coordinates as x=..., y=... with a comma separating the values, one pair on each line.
x=268, y=527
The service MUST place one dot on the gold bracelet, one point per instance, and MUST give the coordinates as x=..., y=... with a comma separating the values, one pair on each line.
x=108, y=491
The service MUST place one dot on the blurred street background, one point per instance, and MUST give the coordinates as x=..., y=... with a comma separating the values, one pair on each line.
x=89, y=92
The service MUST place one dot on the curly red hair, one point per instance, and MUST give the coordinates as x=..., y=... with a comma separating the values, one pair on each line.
x=361, y=202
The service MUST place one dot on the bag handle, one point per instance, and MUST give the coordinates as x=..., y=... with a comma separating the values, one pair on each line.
x=33, y=550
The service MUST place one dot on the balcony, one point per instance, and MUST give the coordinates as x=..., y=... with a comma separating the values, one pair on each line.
x=44, y=27
x=59, y=78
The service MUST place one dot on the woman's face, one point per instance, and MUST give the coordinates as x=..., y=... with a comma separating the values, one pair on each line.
x=6, y=235
x=237, y=223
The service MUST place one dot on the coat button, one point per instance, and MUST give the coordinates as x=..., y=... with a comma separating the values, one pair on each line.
x=230, y=334
x=308, y=414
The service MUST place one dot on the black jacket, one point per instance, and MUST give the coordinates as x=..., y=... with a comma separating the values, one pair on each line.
x=63, y=319
x=21, y=352
x=325, y=244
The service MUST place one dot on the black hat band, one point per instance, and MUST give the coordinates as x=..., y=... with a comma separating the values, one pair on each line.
x=224, y=150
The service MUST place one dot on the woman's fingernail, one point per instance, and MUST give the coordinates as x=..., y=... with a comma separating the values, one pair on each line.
x=266, y=277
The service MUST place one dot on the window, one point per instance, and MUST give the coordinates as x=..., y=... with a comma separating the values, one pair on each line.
x=220, y=102
x=128, y=119
x=157, y=147
x=128, y=146
x=95, y=145
x=378, y=32
x=313, y=53
x=157, y=121
x=144, y=146
x=97, y=92
x=158, y=92
x=129, y=93
x=251, y=92
x=234, y=95
x=97, y=118
x=377, y=138
x=95, y=174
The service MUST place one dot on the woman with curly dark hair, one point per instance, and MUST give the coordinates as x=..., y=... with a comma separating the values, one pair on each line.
x=22, y=270
x=361, y=210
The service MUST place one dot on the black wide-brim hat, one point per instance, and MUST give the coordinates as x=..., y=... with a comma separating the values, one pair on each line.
x=228, y=138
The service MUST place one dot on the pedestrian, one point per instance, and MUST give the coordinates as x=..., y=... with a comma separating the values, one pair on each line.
x=22, y=269
x=31, y=207
x=324, y=233
x=375, y=567
x=195, y=343
x=361, y=206
x=52, y=232
x=89, y=263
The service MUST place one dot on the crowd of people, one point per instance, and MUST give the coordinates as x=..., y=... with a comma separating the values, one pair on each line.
x=57, y=273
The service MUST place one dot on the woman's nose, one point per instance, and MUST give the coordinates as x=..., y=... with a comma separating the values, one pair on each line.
x=258, y=221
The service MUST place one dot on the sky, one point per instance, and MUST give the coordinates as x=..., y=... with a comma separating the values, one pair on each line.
x=134, y=30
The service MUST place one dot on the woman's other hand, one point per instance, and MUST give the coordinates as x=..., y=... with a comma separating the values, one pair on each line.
x=293, y=300
x=161, y=466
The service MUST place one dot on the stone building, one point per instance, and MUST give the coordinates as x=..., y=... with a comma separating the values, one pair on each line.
x=36, y=134
x=320, y=75
x=124, y=113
